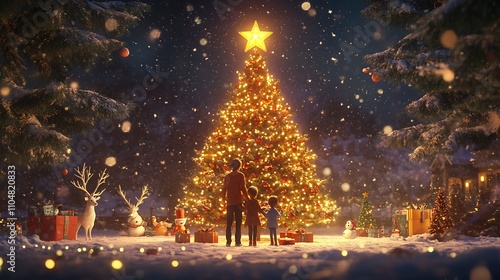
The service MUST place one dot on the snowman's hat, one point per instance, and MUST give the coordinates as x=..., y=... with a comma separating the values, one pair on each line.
x=353, y=224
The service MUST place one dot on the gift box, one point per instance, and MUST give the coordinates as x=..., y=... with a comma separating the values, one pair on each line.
x=206, y=237
x=372, y=232
x=182, y=237
x=53, y=228
x=286, y=241
x=68, y=212
x=361, y=232
x=150, y=232
x=419, y=221
x=303, y=236
x=288, y=234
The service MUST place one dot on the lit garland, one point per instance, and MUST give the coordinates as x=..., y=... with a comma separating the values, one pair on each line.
x=257, y=127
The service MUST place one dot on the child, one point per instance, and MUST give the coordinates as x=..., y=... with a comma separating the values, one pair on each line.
x=272, y=216
x=252, y=209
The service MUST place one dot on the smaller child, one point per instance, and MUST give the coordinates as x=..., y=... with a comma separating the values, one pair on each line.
x=252, y=209
x=272, y=216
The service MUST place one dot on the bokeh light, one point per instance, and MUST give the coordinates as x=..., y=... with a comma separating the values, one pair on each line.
x=154, y=34
x=116, y=264
x=449, y=39
x=126, y=126
x=327, y=171
x=480, y=273
x=110, y=161
x=5, y=91
x=387, y=129
x=50, y=264
x=111, y=24
x=305, y=6
x=345, y=187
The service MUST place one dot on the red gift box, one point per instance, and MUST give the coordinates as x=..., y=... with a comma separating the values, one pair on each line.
x=206, y=237
x=286, y=241
x=53, y=228
x=182, y=237
x=303, y=236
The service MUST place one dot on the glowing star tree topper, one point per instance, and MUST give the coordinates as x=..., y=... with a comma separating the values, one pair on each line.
x=255, y=37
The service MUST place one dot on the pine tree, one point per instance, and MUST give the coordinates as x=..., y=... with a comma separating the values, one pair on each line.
x=441, y=220
x=452, y=57
x=42, y=40
x=365, y=219
x=256, y=126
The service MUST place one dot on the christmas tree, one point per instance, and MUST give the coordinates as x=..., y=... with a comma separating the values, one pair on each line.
x=256, y=126
x=441, y=219
x=39, y=116
x=365, y=219
x=452, y=57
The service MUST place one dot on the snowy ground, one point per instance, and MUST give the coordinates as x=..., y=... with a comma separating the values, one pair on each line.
x=330, y=256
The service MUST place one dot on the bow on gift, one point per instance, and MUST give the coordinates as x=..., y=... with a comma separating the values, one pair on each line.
x=300, y=230
x=206, y=229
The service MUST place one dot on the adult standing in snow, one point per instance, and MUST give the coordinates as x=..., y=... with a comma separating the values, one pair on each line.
x=234, y=192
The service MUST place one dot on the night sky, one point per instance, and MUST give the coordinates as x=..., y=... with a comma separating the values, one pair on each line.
x=200, y=47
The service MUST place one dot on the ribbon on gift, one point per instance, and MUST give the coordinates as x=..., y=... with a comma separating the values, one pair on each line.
x=300, y=230
x=66, y=227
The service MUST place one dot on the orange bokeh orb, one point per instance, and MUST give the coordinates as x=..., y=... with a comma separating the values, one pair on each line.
x=124, y=52
x=375, y=78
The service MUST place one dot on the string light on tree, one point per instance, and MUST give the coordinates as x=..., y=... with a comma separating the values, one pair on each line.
x=256, y=126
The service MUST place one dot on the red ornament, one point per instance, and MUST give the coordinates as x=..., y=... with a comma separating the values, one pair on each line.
x=124, y=52
x=375, y=78
x=64, y=172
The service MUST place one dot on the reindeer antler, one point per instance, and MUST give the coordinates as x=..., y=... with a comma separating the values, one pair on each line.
x=122, y=194
x=102, y=179
x=83, y=175
x=144, y=193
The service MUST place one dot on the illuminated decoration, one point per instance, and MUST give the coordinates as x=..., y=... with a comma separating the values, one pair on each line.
x=124, y=52
x=441, y=220
x=255, y=37
x=366, y=219
x=256, y=126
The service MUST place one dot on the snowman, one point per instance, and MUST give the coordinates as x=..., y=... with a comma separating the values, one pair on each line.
x=350, y=230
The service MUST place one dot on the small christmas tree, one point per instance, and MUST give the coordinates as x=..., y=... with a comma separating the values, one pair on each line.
x=365, y=219
x=441, y=219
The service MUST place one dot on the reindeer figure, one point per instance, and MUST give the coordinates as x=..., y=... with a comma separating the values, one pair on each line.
x=87, y=218
x=135, y=222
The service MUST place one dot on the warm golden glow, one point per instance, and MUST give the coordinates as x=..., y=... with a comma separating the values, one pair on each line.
x=482, y=178
x=255, y=37
x=256, y=126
